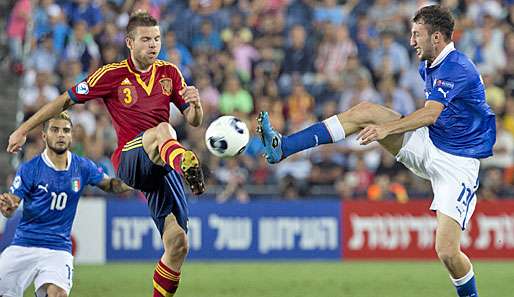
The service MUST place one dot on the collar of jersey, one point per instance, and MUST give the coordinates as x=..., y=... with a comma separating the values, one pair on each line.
x=450, y=47
x=50, y=164
x=132, y=69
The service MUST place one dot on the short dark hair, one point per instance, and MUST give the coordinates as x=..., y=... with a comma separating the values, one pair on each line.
x=140, y=19
x=62, y=116
x=437, y=18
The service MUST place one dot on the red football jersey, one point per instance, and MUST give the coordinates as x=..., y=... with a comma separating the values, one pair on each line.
x=136, y=101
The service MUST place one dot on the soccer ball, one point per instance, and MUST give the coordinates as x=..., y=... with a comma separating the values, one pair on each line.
x=227, y=136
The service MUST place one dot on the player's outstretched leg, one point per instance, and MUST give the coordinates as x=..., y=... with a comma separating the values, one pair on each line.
x=447, y=246
x=167, y=272
x=162, y=146
x=278, y=147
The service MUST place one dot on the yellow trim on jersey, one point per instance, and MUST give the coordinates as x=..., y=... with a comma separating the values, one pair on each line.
x=165, y=63
x=162, y=290
x=128, y=148
x=95, y=77
x=133, y=140
x=148, y=88
x=138, y=142
x=95, y=80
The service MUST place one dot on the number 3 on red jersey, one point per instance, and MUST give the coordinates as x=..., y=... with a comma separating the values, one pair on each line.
x=127, y=95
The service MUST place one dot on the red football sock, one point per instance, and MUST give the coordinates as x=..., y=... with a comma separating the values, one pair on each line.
x=171, y=153
x=165, y=281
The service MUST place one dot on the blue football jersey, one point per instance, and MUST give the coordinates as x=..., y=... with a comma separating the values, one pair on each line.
x=466, y=126
x=50, y=199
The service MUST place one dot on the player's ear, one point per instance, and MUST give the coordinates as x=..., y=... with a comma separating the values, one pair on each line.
x=130, y=42
x=436, y=37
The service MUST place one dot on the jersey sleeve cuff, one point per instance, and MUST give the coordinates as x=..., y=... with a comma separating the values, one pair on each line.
x=98, y=179
x=443, y=101
x=183, y=106
x=73, y=96
x=18, y=194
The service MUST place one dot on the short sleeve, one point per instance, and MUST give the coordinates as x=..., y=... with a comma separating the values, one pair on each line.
x=97, y=85
x=94, y=173
x=449, y=83
x=178, y=84
x=22, y=183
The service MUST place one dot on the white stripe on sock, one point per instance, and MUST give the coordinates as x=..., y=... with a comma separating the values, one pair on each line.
x=459, y=282
x=334, y=128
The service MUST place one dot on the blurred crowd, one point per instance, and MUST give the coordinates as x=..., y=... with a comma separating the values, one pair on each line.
x=301, y=60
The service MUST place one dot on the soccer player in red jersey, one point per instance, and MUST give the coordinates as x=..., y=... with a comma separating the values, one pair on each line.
x=137, y=93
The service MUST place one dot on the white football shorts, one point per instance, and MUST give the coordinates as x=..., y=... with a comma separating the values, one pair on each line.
x=20, y=266
x=454, y=178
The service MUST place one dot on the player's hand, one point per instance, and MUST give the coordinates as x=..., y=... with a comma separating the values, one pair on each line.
x=8, y=204
x=372, y=133
x=16, y=141
x=190, y=95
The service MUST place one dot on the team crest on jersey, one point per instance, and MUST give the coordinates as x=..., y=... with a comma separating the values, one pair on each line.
x=75, y=184
x=166, y=85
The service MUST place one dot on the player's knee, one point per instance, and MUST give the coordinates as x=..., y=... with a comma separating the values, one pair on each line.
x=365, y=105
x=364, y=112
x=176, y=246
x=446, y=253
x=165, y=131
x=54, y=291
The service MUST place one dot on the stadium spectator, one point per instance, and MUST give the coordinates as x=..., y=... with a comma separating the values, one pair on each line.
x=234, y=98
x=207, y=39
x=84, y=11
x=43, y=58
x=82, y=47
x=16, y=28
x=35, y=96
x=334, y=50
x=299, y=57
x=383, y=189
x=503, y=157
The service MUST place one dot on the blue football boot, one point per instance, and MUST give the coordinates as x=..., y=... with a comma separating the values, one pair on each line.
x=271, y=139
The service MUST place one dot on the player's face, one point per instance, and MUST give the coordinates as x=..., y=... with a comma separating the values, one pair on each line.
x=58, y=136
x=421, y=41
x=146, y=44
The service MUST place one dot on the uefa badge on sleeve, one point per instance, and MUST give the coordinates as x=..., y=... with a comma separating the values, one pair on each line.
x=82, y=88
x=75, y=185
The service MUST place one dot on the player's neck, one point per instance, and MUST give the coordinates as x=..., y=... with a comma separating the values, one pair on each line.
x=140, y=66
x=438, y=49
x=60, y=161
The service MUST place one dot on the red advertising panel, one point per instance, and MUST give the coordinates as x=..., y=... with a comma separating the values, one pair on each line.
x=390, y=230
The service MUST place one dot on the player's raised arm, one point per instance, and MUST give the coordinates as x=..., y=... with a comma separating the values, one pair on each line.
x=194, y=113
x=113, y=185
x=19, y=136
x=8, y=204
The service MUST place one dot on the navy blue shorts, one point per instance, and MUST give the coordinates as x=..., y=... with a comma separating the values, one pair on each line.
x=162, y=186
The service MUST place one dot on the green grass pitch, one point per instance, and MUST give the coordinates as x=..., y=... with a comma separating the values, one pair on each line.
x=291, y=279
